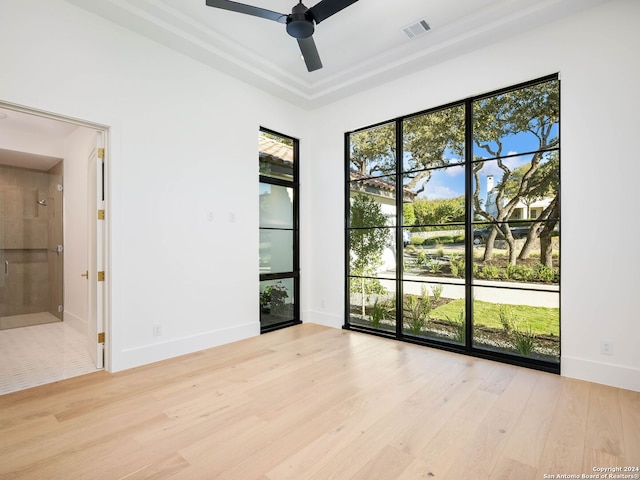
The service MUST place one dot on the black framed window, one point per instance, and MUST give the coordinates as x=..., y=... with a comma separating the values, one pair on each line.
x=452, y=226
x=279, y=263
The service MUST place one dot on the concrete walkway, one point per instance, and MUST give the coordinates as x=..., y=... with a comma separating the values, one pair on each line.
x=535, y=295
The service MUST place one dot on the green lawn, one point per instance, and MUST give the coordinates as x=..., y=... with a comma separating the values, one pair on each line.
x=543, y=320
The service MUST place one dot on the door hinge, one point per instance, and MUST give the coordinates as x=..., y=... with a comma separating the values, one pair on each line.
x=100, y=152
x=101, y=276
x=60, y=308
x=60, y=188
x=101, y=337
x=100, y=214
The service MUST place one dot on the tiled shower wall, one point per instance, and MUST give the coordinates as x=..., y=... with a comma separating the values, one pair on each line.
x=31, y=282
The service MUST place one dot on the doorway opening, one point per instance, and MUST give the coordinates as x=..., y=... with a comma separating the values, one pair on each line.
x=52, y=247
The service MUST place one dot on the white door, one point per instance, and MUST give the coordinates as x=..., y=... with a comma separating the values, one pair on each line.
x=95, y=253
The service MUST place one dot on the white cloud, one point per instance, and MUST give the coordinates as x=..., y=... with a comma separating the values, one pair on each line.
x=436, y=191
x=455, y=171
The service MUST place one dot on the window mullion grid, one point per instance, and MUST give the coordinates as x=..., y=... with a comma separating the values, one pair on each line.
x=469, y=162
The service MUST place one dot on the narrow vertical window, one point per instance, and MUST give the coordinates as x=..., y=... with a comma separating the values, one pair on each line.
x=279, y=264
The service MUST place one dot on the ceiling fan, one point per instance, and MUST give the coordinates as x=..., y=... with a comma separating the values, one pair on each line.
x=300, y=22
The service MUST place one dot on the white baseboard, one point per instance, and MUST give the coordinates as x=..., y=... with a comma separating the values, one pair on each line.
x=162, y=350
x=604, y=373
x=321, y=318
x=75, y=321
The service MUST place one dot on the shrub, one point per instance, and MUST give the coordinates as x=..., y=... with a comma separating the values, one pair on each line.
x=417, y=240
x=434, y=266
x=377, y=314
x=444, y=240
x=458, y=327
x=490, y=272
x=273, y=298
x=506, y=318
x=520, y=272
x=418, y=311
x=456, y=265
x=546, y=274
x=524, y=340
x=436, y=290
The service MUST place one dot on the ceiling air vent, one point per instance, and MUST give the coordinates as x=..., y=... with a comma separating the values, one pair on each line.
x=417, y=28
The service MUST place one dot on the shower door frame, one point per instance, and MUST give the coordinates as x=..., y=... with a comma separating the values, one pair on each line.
x=31, y=249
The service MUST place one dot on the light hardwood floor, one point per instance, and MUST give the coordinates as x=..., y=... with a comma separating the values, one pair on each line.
x=310, y=402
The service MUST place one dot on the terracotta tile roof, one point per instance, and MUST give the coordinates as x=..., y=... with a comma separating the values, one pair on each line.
x=274, y=150
x=379, y=183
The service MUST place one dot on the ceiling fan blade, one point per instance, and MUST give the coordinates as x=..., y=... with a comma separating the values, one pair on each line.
x=324, y=9
x=310, y=53
x=248, y=9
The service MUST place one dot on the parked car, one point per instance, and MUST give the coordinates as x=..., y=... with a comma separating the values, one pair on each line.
x=481, y=235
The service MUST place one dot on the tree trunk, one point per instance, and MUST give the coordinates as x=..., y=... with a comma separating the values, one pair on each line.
x=488, y=247
x=528, y=243
x=546, y=250
x=525, y=251
x=512, y=247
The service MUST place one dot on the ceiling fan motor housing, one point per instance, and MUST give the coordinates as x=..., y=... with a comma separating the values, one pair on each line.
x=299, y=23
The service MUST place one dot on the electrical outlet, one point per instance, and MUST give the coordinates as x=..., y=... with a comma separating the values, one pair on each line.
x=606, y=347
x=157, y=329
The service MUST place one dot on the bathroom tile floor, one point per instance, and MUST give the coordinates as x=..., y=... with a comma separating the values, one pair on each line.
x=39, y=354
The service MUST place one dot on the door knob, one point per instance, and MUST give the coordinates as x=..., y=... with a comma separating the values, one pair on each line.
x=85, y=275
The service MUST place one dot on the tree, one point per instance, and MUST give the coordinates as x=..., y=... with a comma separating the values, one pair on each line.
x=428, y=140
x=437, y=139
x=439, y=211
x=544, y=183
x=408, y=214
x=533, y=110
x=373, y=151
x=367, y=243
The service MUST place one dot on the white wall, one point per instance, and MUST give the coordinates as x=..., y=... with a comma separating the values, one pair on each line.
x=596, y=55
x=183, y=141
x=29, y=142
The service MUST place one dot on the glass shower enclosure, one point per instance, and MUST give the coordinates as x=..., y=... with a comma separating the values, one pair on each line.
x=31, y=246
